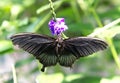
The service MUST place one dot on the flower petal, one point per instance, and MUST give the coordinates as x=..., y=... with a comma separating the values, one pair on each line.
x=58, y=26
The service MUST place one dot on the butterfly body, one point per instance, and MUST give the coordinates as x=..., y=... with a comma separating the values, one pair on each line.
x=50, y=51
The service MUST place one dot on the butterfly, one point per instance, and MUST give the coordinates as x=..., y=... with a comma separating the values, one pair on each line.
x=50, y=51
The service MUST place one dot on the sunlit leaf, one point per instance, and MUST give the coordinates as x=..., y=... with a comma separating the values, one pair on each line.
x=5, y=46
x=115, y=79
x=109, y=30
x=53, y=78
x=77, y=78
x=112, y=31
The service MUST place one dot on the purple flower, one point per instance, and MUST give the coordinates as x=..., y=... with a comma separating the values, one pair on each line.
x=58, y=26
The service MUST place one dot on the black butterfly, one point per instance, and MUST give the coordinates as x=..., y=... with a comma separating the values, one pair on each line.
x=50, y=51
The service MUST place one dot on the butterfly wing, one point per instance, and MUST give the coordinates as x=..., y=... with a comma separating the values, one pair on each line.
x=66, y=58
x=42, y=47
x=84, y=46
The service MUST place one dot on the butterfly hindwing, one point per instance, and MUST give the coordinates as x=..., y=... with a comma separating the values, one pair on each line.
x=66, y=58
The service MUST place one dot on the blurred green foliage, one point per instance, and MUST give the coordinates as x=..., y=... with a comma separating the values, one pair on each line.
x=95, y=18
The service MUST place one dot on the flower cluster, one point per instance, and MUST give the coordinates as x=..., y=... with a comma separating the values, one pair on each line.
x=58, y=26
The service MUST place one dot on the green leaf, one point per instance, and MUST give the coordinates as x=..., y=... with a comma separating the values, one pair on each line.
x=77, y=78
x=112, y=31
x=53, y=78
x=109, y=30
x=5, y=46
x=115, y=79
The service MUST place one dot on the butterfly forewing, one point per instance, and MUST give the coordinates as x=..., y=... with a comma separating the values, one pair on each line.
x=83, y=46
x=32, y=43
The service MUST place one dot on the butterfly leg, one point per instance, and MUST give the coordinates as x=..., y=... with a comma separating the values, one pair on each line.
x=43, y=68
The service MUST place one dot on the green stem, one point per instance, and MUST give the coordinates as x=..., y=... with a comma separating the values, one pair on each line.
x=14, y=74
x=96, y=17
x=96, y=3
x=64, y=36
x=52, y=10
x=109, y=39
x=112, y=48
x=38, y=26
x=108, y=26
